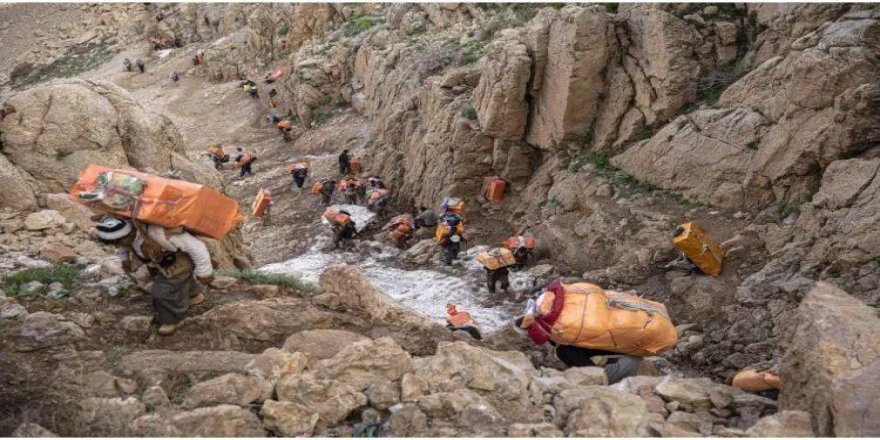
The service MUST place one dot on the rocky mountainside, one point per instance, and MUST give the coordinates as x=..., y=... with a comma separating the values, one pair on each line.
x=611, y=123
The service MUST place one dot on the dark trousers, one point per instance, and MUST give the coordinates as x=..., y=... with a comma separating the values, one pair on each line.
x=493, y=277
x=245, y=169
x=326, y=198
x=171, y=296
x=616, y=369
x=344, y=168
x=299, y=180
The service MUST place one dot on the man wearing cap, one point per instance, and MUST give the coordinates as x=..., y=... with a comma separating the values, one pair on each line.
x=179, y=262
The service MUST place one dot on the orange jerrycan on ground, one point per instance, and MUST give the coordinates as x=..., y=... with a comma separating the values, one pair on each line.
x=699, y=248
x=164, y=202
x=496, y=258
x=493, y=189
x=591, y=317
x=260, y=204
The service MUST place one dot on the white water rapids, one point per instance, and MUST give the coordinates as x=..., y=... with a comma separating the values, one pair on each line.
x=425, y=290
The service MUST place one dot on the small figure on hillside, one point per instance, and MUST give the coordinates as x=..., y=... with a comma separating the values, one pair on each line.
x=286, y=129
x=6, y=109
x=126, y=64
x=140, y=64
x=175, y=77
x=327, y=188
x=299, y=173
x=245, y=161
x=344, y=163
x=456, y=320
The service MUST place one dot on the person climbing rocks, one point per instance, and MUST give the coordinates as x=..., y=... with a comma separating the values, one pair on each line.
x=218, y=156
x=328, y=186
x=126, y=64
x=426, y=218
x=175, y=77
x=267, y=214
x=344, y=163
x=376, y=182
x=245, y=161
x=400, y=231
x=496, y=276
x=456, y=320
x=286, y=129
x=617, y=366
x=198, y=58
x=178, y=261
x=344, y=227
x=250, y=87
x=140, y=65
x=497, y=262
x=522, y=247
x=350, y=188
x=299, y=172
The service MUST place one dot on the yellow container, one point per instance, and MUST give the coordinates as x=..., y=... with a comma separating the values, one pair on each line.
x=699, y=248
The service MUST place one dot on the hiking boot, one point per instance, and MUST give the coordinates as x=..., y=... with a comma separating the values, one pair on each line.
x=196, y=300
x=168, y=329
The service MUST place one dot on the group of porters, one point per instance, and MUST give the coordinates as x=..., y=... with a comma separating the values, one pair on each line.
x=577, y=316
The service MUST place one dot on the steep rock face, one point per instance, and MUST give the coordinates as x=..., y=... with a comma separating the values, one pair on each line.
x=815, y=105
x=62, y=127
x=832, y=357
x=499, y=98
x=579, y=42
x=16, y=187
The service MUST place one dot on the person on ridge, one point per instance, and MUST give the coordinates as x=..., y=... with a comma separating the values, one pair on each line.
x=344, y=163
x=126, y=64
x=175, y=77
x=140, y=64
x=178, y=261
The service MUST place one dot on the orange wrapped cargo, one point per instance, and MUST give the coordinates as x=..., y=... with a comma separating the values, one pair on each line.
x=515, y=242
x=336, y=218
x=496, y=258
x=169, y=203
x=443, y=231
x=605, y=320
x=455, y=205
x=260, y=203
x=355, y=166
x=699, y=248
x=752, y=380
x=493, y=189
x=317, y=187
x=379, y=194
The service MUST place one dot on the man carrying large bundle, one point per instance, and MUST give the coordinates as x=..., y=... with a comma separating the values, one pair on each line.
x=145, y=217
x=344, y=228
x=589, y=326
x=496, y=262
x=178, y=261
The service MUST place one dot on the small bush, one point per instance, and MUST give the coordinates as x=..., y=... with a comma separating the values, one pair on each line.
x=66, y=274
x=612, y=7
x=360, y=24
x=256, y=277
x=471, y=53
x=283, y=30
x=469, y=113
x=599, y=159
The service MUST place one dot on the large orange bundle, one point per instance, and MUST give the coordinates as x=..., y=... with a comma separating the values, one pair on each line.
x=336, y=218
x=699, y=248
x=515, y=242
x=378, y=195
x=605, y=320
x=261, y=203
x=317, y=187
x=167, y=202
x=355, y=166
x=496, y=258
x=443, y=231
x=750, y=379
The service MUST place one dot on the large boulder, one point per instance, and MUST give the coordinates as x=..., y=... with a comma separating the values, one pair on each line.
x=110, y=416
x=63, y=126
x=500, y=96
x=783, y=424
x=331, y=400
x=367, y=363
x=579, y=44
x=598, y=411
x=16, y=187
x=218, y=421
x=353, y=290
x=288, y=419
x=832, y=362
x=43, y=330
x=321, y=343
x=231, y=388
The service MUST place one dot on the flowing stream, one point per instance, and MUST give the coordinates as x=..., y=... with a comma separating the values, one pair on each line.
x=426, y=290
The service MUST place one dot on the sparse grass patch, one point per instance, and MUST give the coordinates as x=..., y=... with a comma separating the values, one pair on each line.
x=75, y=60
x=599, y=159
x=256, y=277
x=66, y=274
x=283, y=30
x=471, y=53
x=361, y=24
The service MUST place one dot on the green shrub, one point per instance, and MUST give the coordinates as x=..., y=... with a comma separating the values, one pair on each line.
x=469, y=113
x=283, y=30
x=255, y=277
x=360, y=24
x=471, y=53
x=66, y=274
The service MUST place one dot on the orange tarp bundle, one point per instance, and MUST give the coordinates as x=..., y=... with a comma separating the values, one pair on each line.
x=170, y=203
x=605, y=320
x=513, y=243
x=355, y=166
x=455, y=318
x=336, y=218
x=496, y=259
x=379, y=194
x=317, y=187
x=752, y=380
x=699, y=248
x=216, y=150
x=400, y=227
x=261, y=203
x=276, y=75
x=493, y=189
x=443, y=231
x=285, y=125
